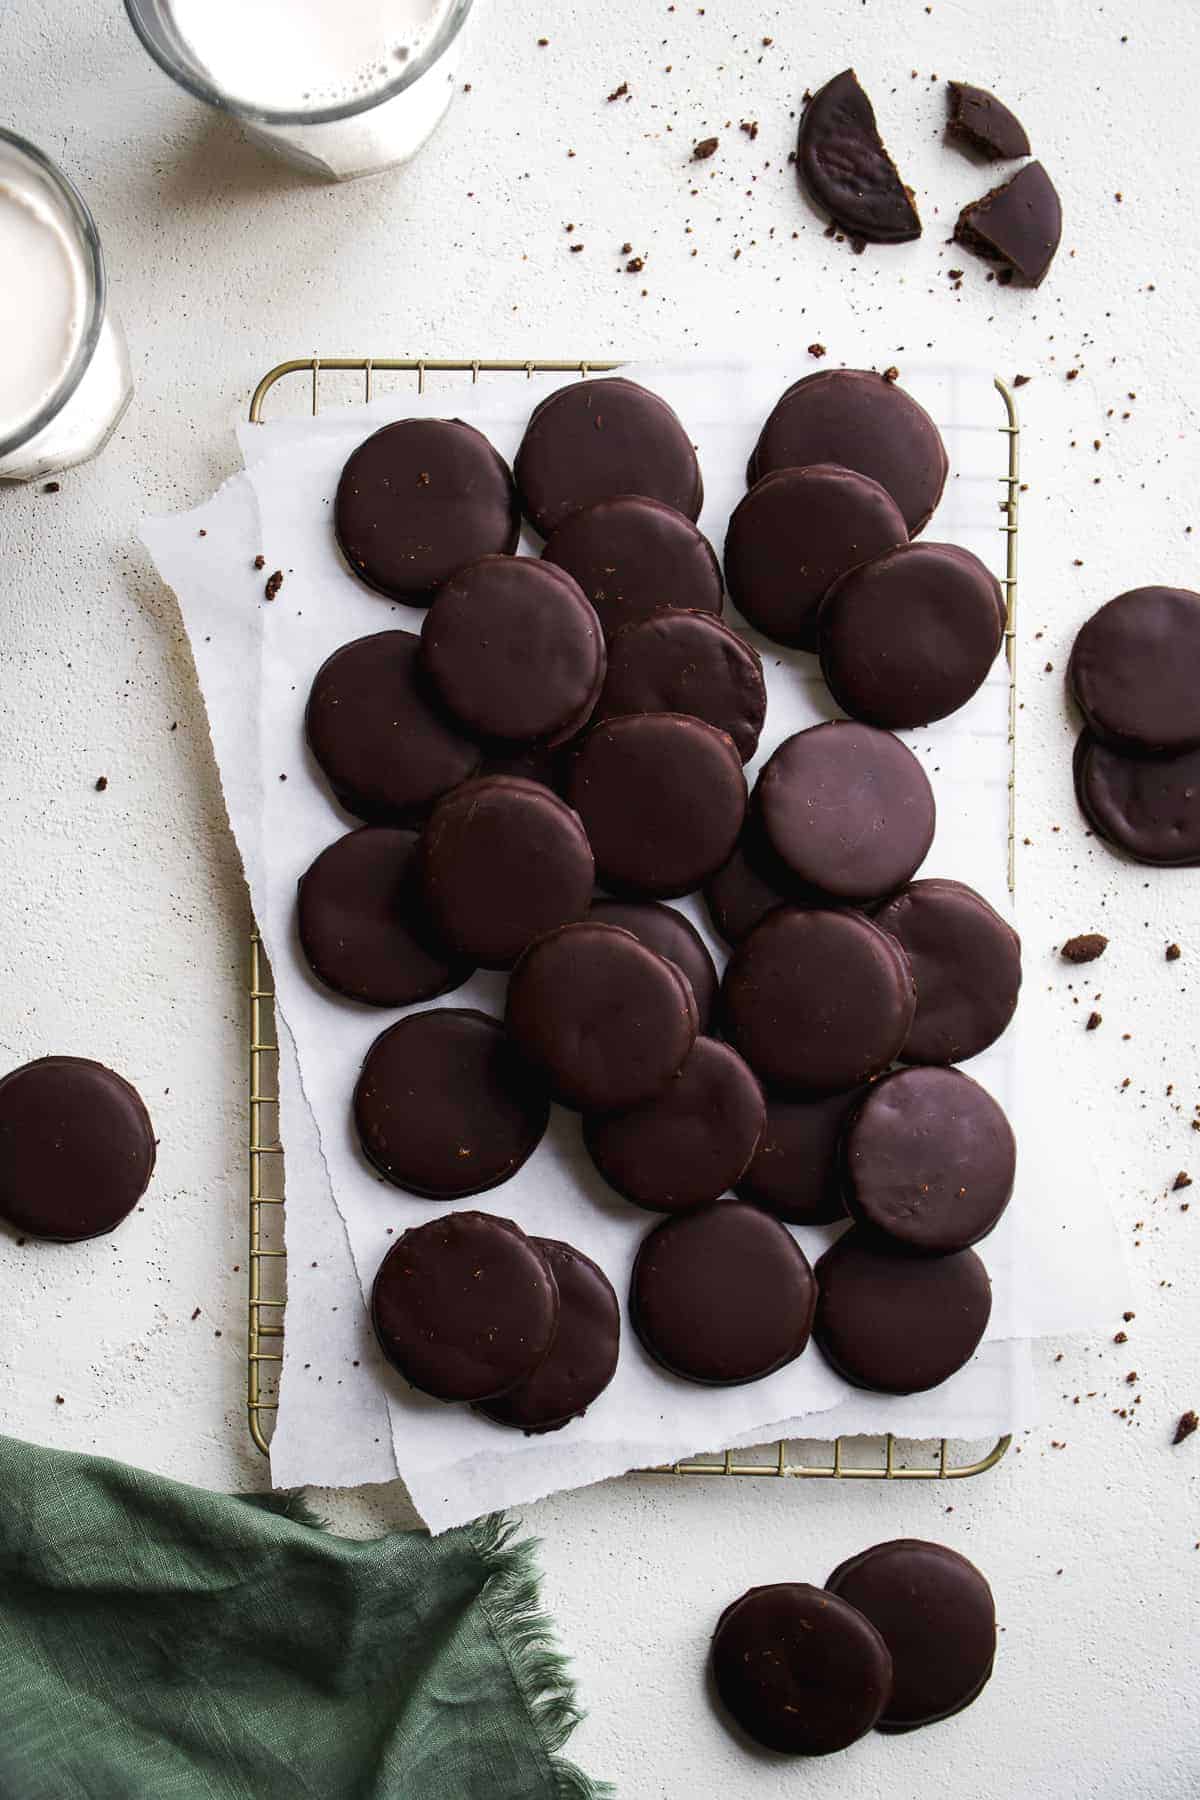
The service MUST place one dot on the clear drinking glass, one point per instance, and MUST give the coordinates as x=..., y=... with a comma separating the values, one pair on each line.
x=374, y=129
x=71, y=415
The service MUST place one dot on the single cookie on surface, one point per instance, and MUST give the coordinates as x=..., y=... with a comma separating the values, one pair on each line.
x=514, y=651
x=847, y=809
x=663, y=929
x=909, y=637
x=466, y=1307
x=978, y=121
x=799, y=1669
x=817, y=1001
x=686, y=1147
x=898, y=1324
x=418, y=499
x=594, y=440
x=722, y=1295
x=687, y=662
x=503, y=861
x=1149, y=807
x=662, y=798
x=853, y=417
x=385, y=747
x=583, y=1357
x=935, y=1612
x=1018, y=224
x=966, y=962
x=794, y=534
x=444, y=1108
x=363, y=924
x=928, y=1161
x=845, y=170
x=796, y=1172
x=634, y=557
x=1133, y=671
x=606, y=1020
x=77, y=1148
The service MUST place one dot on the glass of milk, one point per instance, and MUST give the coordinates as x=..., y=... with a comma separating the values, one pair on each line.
x=62, y=396
x=342, y=87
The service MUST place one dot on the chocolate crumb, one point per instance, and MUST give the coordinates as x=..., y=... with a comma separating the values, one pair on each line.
x=59, y=1401
x=1182, y=1180
x=619, y=93
x=1094, y=1019
x=1022, y=380
x=1131, y=1378
x=101, y=783
x=750, y=127
x=575, y=249
x=542, y=42
x=1127, y=1316
x=1188, y=1422
x=203, y=533
x=260, y=562
x=1173, y=953
x=1072, y=374
x=196, y=1314
x=626, y=249
x=635, y=265
x=274, y=583
x=1120, y=1337
x=52, y=487
x=704, y=149
x=1085, y=948
x=816, y=349
x=892, y=374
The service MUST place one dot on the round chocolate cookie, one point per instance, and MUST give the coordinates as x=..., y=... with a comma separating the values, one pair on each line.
x=799, y=1669
x=383, y=744
x=856, y=418
x=847, y=809
x=514, y=650
x=687, y=662
x=898, y=1324
x=583, y=1357
x=634, y=557
x=417, y=500
x=1133, y=671
x=794, y=534
x=662, y=798
x=750, y=885
x=935, y=1612
x=908, y=638
x=817, y=1001
x=444, y=1108
x=722, y=1295
x=966, y=961
x=363, y=924
x=1147, y=806
x=593, y=440
x=605, y=1020
x=77, y=1148
x=466, y=1307
x=667, y=931
x=687, y=1146
x=796, y=1172
x=928, y=1161
x=844, y=169
x=502, y=862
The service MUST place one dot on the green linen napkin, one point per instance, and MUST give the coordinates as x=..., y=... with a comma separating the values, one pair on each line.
x=162, y=1643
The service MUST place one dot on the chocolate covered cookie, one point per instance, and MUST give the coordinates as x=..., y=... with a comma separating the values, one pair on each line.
x=673, y=936
x=1149, y=807
x=979, y=122
x=77, y=1148
x=750, y=885
x=722, y=1295
x=796, y=1172
x=845, y=170
x=687, y=662
x=966, y=962
x=1132, y=671
x=633, y=557
x=583, y=1357
x=898, y=1324
x=1018, y=225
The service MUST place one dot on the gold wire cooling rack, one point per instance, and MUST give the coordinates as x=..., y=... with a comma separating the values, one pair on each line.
x=843, y=1459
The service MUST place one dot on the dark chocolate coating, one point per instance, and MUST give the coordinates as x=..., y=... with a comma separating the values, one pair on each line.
x=855, y=418
x=687, y=662
x=984, y=124
x=77, y=1148
x=722, y=1295
x=528, y=762
x=592, y=440
x=444, y=1108
x=1149, y=807
x=817, y=1001
x=673, y=936
x=417, y=500
x=898, y=1324
x=794, y=534
x=750, y=885
x=605, y=1019
x=502, y=862
x=796, y=1172
x=908, y=638
x=847, y=809
x=966, y=961
x=514, y=650
x=1133, y=671
x=928, y=1161
x=634, y=557
x=935, y=1612
x=1018, y=224
x=465, y=1307
x=662, y=798
x=363, y=924
x=386, y=748
x=799, y=1669
x=684, y=1148
x=583, y=1357
x=845, y=170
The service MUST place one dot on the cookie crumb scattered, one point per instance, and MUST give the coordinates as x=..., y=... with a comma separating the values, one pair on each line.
x=619, y=93
x=196, y=1314
x=101, y=783
x=575, y=248
x=750, y=127
x=1120, y=1337
x=59, y=1401
x=635, y=265
x=1182, y=1180
x=816, y=349
x=1173, y=953
x=1085, y=948
x=704, y=149
x=892, y=374
x=260, y=562
x=1022, y=380
x=1188, y=1422
x=52, y=487
x=274, y=583
x=1093, y=1020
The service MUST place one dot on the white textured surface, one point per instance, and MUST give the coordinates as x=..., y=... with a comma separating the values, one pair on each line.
x=125, y=914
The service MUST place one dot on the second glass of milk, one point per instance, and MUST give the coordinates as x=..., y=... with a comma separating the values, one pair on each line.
x=342, y=87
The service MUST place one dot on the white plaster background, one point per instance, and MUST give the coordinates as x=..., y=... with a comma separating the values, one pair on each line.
x=124, y=912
